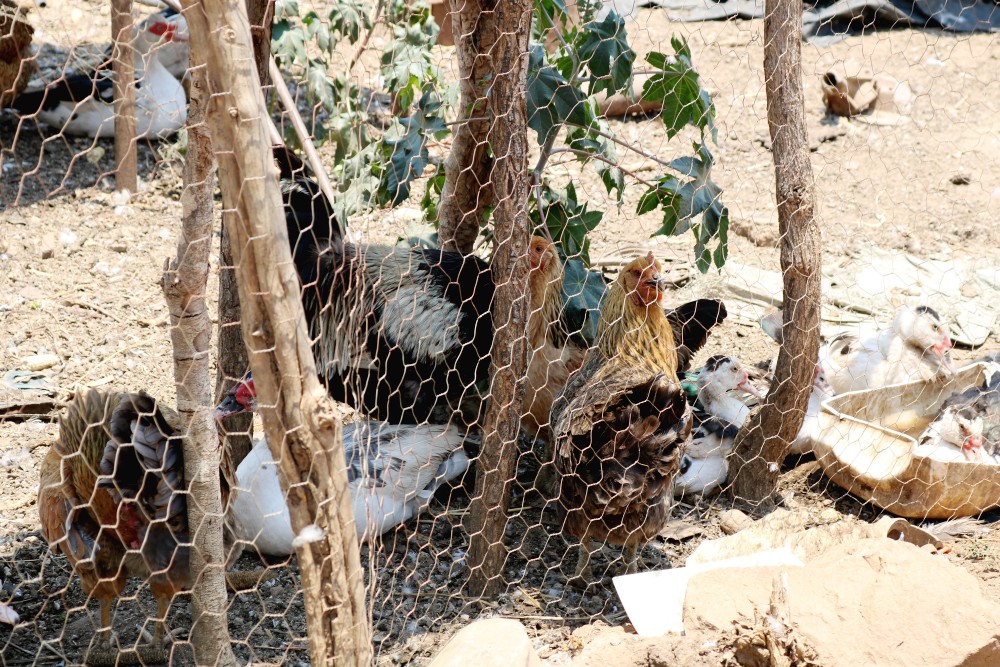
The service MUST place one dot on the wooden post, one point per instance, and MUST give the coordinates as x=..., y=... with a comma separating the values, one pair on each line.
x=299, y=420
x=466, y=192
x=185, y=282
x=123, y=54
x=232, y=353
x=763, y=440
x=509, y=142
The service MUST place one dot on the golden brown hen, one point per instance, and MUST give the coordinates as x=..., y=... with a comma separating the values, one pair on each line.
x=16, y=63
x=111, y=499
x=622, y=423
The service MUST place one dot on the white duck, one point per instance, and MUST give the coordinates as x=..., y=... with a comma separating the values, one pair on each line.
x=393, y=472
x=166, y=33
x=83, y=104
x=718, y=417
x=771, y=324
x=916, y=346
x=955, y=436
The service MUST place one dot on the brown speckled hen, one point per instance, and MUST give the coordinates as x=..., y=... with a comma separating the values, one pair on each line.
x=622, y=423
x=111, y=499
x=16, y=61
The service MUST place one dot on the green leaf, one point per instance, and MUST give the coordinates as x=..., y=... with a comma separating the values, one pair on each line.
x=320, y=87
x=288, y=43
x=407, y=153
x=583, y=292
x=722, y=250
x=603, y=47
x=551, y=99
x=649, y=200
x=286, y=9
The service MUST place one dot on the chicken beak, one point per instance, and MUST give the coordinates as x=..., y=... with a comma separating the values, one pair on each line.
x=661, y=283
x=229, y=406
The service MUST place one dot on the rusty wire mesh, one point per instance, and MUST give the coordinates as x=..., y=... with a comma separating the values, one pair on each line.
x=402, y=332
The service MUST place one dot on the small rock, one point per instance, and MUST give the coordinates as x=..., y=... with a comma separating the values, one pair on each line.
x=961, y=178
x=119, y=247
x=494, y=642
x=39, y=362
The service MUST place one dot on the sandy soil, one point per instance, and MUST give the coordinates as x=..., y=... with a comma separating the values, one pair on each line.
x=80, y=270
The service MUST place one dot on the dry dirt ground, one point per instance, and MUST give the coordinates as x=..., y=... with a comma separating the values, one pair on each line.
x=79, y=272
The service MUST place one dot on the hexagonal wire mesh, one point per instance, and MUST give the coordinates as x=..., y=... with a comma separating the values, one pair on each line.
x=625, y=464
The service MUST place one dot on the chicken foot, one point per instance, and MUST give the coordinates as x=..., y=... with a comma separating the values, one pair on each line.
x=630, y=558
x=584, y=574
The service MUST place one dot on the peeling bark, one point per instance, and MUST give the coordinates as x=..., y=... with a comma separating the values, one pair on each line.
x=763, y=440
x=509, y=140
x=184, y=283
x=467, y=190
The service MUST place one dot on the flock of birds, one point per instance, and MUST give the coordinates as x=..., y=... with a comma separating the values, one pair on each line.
x=403, y=335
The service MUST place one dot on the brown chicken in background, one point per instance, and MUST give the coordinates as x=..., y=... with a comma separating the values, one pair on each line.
x=552, y=356
x=16, y=62
x=622, y=423
x=111, y=499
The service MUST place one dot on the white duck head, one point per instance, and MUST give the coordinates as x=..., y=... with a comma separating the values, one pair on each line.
x=720, y=376
x=922, y=329
x=961, y=428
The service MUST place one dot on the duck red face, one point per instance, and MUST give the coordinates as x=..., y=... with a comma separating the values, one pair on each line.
x=241, y=398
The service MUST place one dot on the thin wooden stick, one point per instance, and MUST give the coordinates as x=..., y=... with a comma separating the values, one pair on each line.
x=299, y=125
x=126, y=160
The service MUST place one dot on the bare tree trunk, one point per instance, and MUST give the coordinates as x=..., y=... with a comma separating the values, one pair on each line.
x=467, y=191
x=184, y=284
x=763, y=441
x=261, y=16
x=509, y=138
x=126, y=162
x=299, y=421
x=233, y=362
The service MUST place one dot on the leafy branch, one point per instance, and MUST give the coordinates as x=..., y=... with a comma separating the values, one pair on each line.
x=377, y=163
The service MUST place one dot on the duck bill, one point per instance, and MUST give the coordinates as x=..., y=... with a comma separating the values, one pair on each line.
x=748, y=387
x=228, y=407
x=943, y=352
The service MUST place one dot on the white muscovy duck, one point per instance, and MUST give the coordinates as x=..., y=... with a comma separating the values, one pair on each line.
x=955, y=436
x=810, y=424
x=718, y=416
x=393, y=472
x=916, y=346
x=166, y=33
x=83, y=104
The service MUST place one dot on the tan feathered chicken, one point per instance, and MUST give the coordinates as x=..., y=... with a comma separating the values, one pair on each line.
x=553, y=357
x=622, y=423
x=16, y=61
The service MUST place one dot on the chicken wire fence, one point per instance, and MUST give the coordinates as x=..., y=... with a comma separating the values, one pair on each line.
x=643, y=120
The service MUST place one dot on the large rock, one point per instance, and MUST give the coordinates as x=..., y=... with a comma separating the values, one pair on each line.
x=494, y=642
x=864, y=602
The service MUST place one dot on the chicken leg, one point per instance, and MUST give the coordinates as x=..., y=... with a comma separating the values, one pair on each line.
x=630, y=558
x=105, y=634
x=583, y=575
